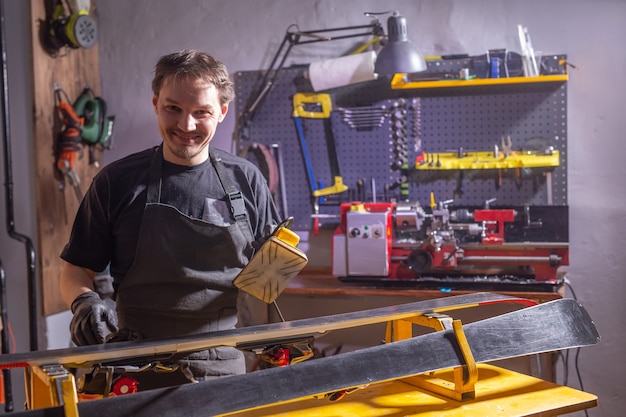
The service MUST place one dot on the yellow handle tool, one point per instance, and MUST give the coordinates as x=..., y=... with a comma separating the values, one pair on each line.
x=277, y=261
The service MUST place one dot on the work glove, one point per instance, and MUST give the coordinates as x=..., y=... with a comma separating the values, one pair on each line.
x=94, y=319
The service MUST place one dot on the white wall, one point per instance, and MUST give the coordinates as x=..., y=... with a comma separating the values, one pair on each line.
x=245, y=34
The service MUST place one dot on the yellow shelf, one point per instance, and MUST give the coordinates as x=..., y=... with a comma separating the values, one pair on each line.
x=486, y=160
x=399, y=81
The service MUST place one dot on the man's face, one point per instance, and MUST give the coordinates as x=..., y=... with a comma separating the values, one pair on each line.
x=188, y=112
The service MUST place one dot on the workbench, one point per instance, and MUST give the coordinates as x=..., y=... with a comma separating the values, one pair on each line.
x=318, y=281
x=498, y=392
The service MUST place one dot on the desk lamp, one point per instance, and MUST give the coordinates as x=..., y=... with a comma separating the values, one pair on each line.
x=398, y=55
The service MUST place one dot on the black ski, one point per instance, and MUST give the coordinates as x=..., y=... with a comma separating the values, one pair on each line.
x=556, y=325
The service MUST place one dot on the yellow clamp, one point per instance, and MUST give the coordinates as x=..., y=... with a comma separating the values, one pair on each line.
x=336, y=188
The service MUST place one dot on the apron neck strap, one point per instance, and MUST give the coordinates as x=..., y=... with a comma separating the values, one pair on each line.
x=236, y=201
x=154, y=179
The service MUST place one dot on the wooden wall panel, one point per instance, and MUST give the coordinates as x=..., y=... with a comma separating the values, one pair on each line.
x=56, y=207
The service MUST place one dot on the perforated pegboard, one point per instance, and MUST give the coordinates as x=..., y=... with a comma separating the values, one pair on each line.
x=377, y=158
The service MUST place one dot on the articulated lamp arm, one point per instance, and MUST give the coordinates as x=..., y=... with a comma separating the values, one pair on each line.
x=291, y=39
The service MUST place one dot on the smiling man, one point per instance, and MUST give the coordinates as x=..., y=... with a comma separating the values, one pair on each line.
x=175, y=224
x=188, y=110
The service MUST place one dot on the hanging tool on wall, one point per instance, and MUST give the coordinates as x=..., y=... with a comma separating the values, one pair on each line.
x=323, y=102
x=302, y=102
x=97, y=128
x=277, y=152
x=68, y=140
x=261, y=156
x=364, y=117
x=75, y=29
x=400, y=148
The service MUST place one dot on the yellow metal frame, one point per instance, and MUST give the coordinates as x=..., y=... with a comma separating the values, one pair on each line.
x=462, y=387
x=51, y=386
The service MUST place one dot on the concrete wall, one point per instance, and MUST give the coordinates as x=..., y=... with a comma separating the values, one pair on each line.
x=245, y=34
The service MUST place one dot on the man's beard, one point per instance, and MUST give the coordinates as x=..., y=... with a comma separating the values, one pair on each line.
x=186, y=152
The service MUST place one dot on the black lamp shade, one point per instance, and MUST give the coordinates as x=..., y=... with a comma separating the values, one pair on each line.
x=399, y=55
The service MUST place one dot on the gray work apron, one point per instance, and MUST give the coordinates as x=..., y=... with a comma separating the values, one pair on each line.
x=181, y=280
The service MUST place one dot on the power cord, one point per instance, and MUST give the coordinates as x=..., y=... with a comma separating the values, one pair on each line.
x=565, y=357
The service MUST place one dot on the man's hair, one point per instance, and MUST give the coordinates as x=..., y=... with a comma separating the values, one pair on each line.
x=196, y=64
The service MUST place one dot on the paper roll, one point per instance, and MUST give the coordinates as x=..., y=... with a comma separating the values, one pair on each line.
x=337, y=72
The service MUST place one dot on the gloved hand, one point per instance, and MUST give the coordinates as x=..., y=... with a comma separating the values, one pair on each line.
x=93, y=319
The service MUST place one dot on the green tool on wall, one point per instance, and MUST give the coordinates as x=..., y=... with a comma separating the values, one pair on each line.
x=97, y=128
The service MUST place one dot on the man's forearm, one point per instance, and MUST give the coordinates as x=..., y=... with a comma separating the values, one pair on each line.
x=74, y=281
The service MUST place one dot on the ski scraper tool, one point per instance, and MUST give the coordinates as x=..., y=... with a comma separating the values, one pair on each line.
x=277, y=261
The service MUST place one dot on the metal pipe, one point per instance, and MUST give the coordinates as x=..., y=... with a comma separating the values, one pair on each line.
x=496, y=260
x=510, y=259
x=8, y=176
x=6, y=373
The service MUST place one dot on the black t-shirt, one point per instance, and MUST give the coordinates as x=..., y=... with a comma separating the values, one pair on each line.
x=106, y=227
